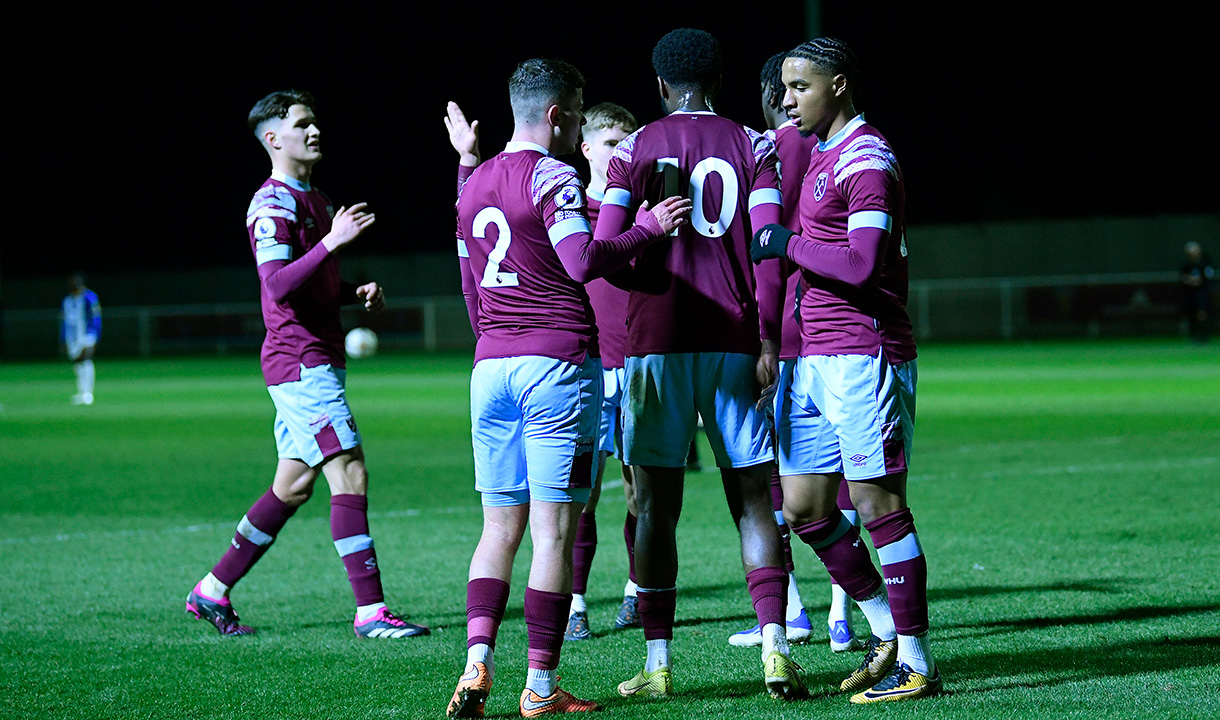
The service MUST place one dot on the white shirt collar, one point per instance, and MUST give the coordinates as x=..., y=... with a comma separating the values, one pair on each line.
x=520, y=145
x=290, y=181
x=848, y=129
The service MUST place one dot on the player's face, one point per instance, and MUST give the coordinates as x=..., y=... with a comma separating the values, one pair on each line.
x=811, y=97
x=298, y=136
x=568, y=122
x=599, y=145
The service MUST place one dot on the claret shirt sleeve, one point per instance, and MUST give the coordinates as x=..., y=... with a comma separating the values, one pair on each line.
x=565, y=212
x=270, y=221
x=617, y=203
x=870, y=194
x=766, y=206
x=469, y=290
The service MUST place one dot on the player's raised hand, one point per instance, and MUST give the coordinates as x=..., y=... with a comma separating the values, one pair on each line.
x=463, y=135
x=670, y=213
x=347, y=225
x=372, y=295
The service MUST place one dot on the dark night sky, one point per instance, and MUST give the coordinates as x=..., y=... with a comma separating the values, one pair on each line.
x=132, y=150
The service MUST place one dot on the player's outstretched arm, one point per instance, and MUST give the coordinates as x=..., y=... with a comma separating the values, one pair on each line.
x=586, y=258
x=281, y=277
x=463, y=135
x=855, y=262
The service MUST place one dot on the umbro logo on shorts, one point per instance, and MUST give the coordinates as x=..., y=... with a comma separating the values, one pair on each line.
x=858, y=459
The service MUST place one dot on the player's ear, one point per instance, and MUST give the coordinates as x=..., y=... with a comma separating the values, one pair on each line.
x=270, y=140
x=663, y=88
x=585, y=147
x=553, y=114
x=839, y=83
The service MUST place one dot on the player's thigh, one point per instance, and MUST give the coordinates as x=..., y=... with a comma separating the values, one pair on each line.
x=495, y=434
x=659, y=414
x=80, y=347
x=610, y=431
x=312, y=418
x=726, y=395
x=860, y=396
x=560, y=406
x=806, y=443
x=906, y=376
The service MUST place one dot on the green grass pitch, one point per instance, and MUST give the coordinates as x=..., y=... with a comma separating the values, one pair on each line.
x=1067, y=496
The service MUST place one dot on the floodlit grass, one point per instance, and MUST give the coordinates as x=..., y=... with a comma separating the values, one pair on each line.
x=1067, y=497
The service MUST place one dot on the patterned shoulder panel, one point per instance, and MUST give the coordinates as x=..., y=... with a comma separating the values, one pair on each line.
x=761, y=144
x=272, y=201
x=866, y=152
x=626, y=147
x=549, y=175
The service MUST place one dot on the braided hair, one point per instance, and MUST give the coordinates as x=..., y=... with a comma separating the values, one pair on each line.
x=831, y=56
x=772, y=81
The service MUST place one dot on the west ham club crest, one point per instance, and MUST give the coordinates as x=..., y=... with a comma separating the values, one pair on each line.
x=819, y=186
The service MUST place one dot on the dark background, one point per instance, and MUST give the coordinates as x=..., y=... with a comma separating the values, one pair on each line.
x=130, y=151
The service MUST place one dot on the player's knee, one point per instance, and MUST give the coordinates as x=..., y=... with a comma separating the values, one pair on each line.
x=870, y=507
x=798, y=516
x=297, y=496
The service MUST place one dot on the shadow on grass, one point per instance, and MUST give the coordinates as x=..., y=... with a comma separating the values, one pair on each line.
x=994, y=671
x=1121, y=615
x=1102, y=585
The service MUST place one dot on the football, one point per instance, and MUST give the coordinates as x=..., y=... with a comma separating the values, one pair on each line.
x=360, y=343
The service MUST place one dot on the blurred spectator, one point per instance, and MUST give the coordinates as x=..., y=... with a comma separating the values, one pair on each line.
x=80, y=327
x=1197, y=276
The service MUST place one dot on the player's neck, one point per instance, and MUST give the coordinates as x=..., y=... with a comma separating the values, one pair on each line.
x=597, y=183
x=839, y=122
x=295, y=169
x=539, y=135
x=689, y=101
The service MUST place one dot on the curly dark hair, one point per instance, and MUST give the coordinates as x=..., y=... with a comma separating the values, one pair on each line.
x=276, y=105
x=771, y=79
x=687, y=57
x=537, y=83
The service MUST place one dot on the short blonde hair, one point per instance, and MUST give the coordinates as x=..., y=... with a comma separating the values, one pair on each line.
x=604, y=116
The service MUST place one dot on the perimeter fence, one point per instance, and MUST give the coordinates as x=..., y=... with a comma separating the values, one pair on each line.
x=986, y=309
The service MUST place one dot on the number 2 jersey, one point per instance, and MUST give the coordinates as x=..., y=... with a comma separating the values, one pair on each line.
x=526, y=249
x=696, y=291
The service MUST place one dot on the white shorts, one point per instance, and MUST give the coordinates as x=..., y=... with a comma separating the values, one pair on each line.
x=312, y=420
x=614, y=381
x=76, y=345
x=667, y=393
x=850, y=414
x=534, y=424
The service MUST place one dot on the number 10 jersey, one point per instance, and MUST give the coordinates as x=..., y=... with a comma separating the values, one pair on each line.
x=697, y=291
